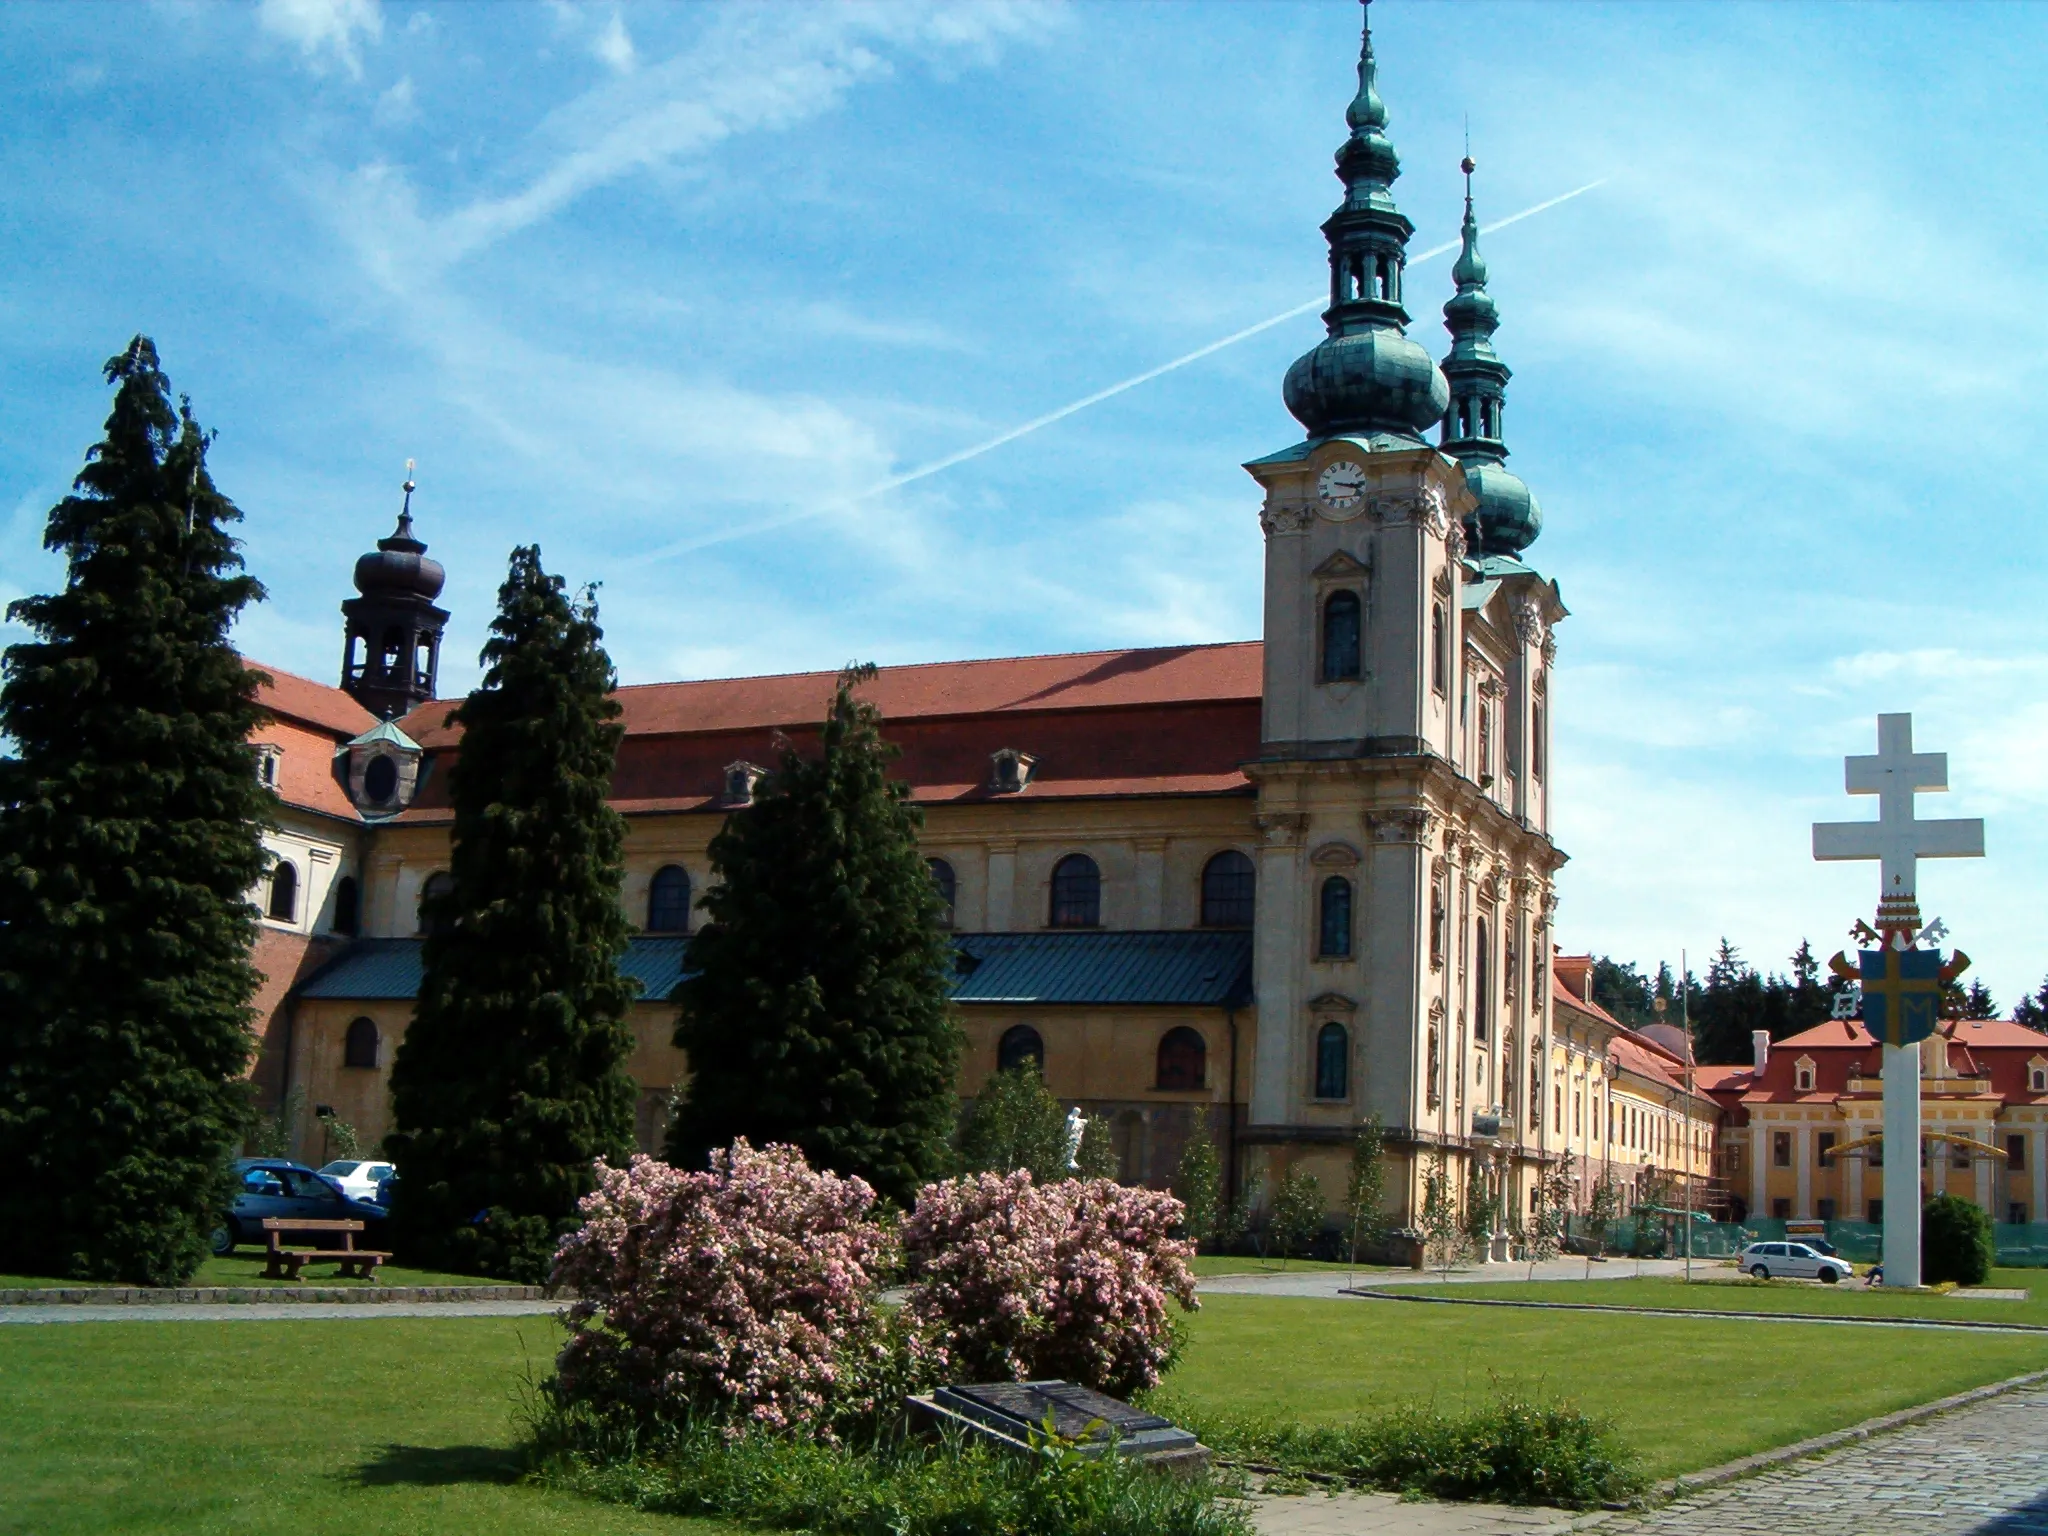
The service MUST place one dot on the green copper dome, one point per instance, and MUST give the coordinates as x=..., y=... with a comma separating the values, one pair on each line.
x=1366, y=376
x=1507, y=518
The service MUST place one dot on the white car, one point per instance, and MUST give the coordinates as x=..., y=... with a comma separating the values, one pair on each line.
x=359, y=1180
x=1792, y=1261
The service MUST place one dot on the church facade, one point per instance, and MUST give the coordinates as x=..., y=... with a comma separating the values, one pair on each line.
x=1278, y=885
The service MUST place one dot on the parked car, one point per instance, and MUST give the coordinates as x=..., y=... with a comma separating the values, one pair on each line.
x=359, y=1180
x=1792, y=1261
x=273, y=1187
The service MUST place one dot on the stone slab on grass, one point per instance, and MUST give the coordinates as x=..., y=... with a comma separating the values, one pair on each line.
x=1385, y=1514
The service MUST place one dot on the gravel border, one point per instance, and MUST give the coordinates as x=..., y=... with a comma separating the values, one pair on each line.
x=1835, y=1320
x=258, y=1295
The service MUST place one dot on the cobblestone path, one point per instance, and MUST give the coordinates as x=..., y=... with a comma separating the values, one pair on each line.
x=1979, y=1471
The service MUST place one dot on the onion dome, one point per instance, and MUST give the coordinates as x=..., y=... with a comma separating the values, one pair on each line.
x=1366, y=376
x=399, y=564
x=1507, y=518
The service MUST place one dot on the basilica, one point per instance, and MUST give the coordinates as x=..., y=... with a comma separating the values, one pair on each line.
x=1277, y=886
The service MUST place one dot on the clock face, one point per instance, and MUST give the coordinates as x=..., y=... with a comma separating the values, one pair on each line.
x=1342, y=486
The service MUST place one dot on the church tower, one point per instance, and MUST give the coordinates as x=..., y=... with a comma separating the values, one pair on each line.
x=392, y=648
x=1402, y=891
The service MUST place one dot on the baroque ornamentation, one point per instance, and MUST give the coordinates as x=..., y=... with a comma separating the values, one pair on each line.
x=1282, y=827
x=1335, y=854
x=1529, y=623
x=1410, y=824
x=1454, y=543
x=1549, y=649
x=1283, y=519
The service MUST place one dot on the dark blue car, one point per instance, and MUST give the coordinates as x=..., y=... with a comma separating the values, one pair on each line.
x=271, y=1186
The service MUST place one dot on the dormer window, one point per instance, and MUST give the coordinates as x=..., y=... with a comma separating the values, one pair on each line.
x=380, y=779
x=740, y=779
x=269, y=763
x=2037, y=1075
x=383, y=767
x=1010, y=770
x=1803, y=1074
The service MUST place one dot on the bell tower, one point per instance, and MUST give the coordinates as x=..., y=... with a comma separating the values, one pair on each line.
x=392, y=647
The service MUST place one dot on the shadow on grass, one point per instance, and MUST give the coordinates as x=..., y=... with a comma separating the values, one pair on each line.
x=438, y=1466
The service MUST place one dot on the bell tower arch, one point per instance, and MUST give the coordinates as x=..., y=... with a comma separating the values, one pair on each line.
x=391, y=646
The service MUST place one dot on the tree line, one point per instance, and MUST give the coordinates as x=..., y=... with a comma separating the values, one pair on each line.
x=816, y=1010
x=1736, y=999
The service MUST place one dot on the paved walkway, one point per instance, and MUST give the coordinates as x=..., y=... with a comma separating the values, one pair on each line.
x=1333, y=1282
x=1979, y=1471
x=270, y=1312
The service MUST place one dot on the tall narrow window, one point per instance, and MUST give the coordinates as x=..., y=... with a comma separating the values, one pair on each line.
x=1020, y=1044
x=1482, y=984
x=944, y=883
x=1537, y=764
x=1333, y=1062
x=1439, y=662
x=348, y=905
x=1333, y=936
x=1228, y=888
x=1183, y=1059
x=359, y=1045
x=1485, y=743
x=284, y=892
x=1076, y=893
x=1341, y=658
x=668, y=900
x=434, y=895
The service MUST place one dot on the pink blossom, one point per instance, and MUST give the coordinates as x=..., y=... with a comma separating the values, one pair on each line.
x=747, y=1291
x=1030, y=1281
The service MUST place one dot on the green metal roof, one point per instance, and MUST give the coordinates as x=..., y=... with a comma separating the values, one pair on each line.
x=1203, y=968
x=1200, y=969
x=389, y=970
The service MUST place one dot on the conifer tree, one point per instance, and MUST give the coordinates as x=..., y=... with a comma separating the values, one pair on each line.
x=1198, y=1183
x=129, y=844
x=818, y=1010
x=511, y=1079
x=1015, y=1122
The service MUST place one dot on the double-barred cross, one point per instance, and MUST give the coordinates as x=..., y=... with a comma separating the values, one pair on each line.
x=1896, y=839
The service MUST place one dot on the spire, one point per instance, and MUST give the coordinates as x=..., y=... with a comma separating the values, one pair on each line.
x=391, y=644
x=1366, y=377
x=1507, y=518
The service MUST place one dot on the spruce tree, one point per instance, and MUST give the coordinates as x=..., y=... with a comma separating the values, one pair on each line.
x=129, y=843
x=1198, y=1184
x=1015, y=1122
x=818, y=1011
x=511, y=1079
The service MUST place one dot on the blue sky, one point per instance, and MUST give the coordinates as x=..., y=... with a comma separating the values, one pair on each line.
x=643, y=282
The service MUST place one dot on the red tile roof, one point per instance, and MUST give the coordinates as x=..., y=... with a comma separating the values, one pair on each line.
x=315, y=704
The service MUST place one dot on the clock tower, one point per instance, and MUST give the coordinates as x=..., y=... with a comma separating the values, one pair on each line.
x=1385, y=731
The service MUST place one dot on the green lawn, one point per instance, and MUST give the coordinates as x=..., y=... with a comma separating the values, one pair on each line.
x=1849, y=1299
x=245, y=1267
x=1212, y=1264
x=406, y=1425
x=384, y=1427
x=1687, y=1393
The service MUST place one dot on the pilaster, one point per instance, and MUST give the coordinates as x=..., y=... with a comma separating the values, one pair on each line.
x=1002, y=886
x=1278, y=947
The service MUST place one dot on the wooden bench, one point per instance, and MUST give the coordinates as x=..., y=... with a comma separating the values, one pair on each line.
x=285, y=1263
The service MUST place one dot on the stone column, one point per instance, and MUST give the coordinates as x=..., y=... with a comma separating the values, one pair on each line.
x=1002, y=885
x=1151, y=882
x=1852, y=1178
x=1277, y=968
x=1985, y=1196
x=1759, y=1168
x=1902, y=1165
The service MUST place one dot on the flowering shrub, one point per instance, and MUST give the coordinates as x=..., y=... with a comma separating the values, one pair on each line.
x=746, y=1293
x=1027, y=1281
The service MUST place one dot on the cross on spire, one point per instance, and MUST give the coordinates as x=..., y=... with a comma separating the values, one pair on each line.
x=1896, y=839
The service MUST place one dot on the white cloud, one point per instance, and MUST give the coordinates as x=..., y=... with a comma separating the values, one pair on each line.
x=614, y=45
x=324, y=29
x=396, y=107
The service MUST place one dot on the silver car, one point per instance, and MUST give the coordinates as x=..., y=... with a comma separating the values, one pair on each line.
x=1792, y=1261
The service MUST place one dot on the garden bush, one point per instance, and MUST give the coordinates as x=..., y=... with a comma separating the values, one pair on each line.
x=1510, y=1452
x=901, y=1489
x=1019, y=1280
x=1955, y=1242
x=742, y=1295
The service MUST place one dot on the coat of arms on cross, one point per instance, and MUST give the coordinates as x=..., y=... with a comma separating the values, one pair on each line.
x=1901, y=982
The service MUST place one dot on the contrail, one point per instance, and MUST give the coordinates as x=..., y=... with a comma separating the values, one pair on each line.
x=924, y=471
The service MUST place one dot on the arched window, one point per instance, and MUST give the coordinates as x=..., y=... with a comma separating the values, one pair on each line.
x=1333, y=1062
x=1076, y=893
x=668, y=900
x=1020, y=1044
x=359, y=1045
x=1439, y=661
x=1482, y=984
x=1183, y=1059
x=1333, y=930
x=284, y=891
x=380, y=779
x=944, y=883
x=1340, y=637
x=439, y=887
x=1228, y=888
x=348, y=905
x=390, y=657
